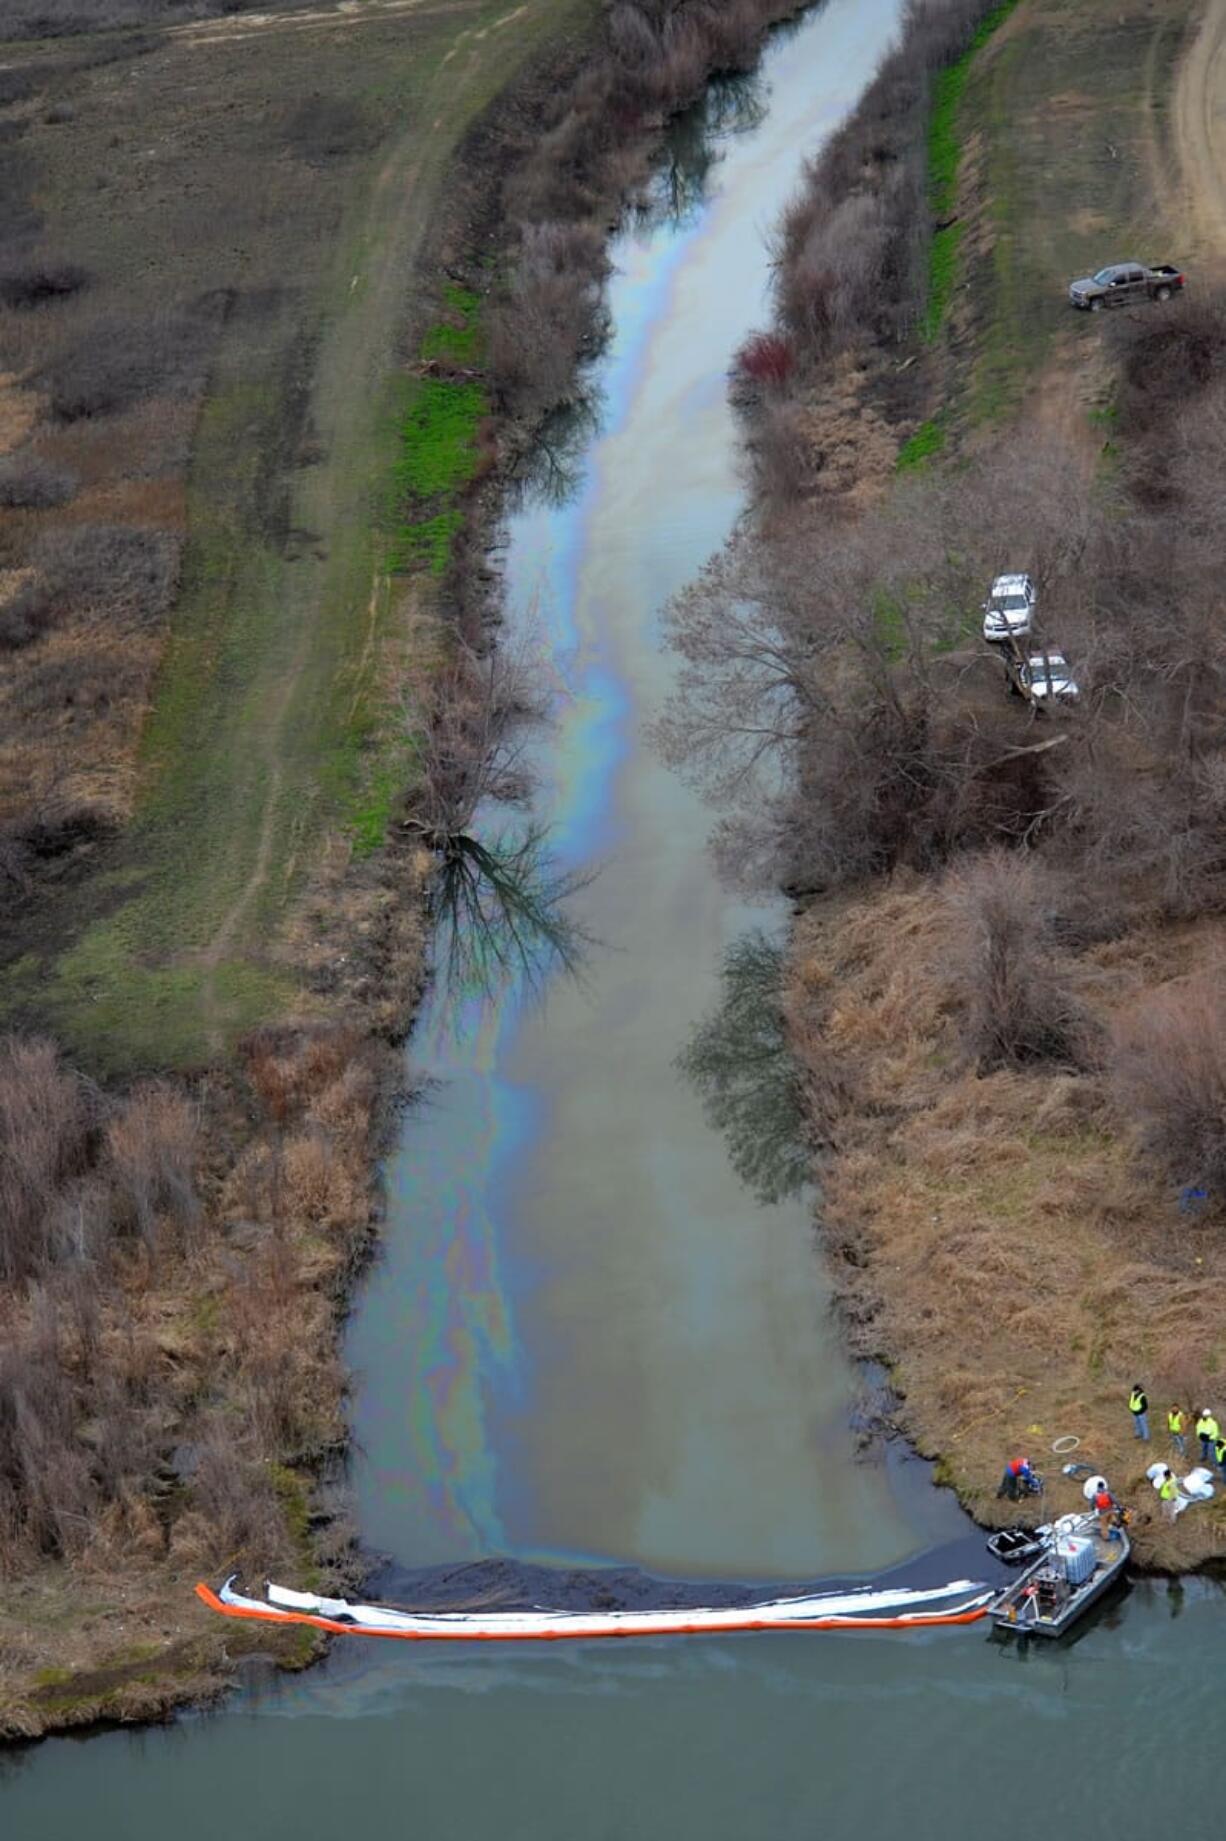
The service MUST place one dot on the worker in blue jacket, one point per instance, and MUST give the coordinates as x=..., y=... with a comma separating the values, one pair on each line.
x=1018, y=1478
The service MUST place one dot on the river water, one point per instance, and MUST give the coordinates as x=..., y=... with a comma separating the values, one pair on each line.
x=585, y=1341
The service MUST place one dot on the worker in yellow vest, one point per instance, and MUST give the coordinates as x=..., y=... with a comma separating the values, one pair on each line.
x=1138, y=1406
x=1169, y=1494
x=1206, y=1431
x=1219, y=1453
x=1174, y=1425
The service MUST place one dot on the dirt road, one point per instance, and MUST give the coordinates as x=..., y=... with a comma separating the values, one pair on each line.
x=1199, y=132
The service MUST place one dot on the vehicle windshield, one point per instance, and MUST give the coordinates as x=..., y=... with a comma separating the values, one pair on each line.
x=1105, y=275
x=1009, y=603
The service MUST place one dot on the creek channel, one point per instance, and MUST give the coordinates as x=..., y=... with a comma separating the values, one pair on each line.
x=584, y=1341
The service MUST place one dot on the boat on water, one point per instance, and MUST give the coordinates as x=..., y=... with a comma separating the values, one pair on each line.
x=961, y=1602
x=1076, y=1568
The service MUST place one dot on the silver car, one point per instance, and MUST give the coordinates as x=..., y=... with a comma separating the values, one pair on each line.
x=1008, y=612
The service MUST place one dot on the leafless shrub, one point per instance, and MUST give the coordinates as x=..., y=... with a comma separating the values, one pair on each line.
x=1166, y=359
x=15, y=86
x=1018, y=1007
x=153, y=1144
x=635, y=42
x=30, y=482
x=321, y=1186
x=92, y=681
x=117, y=361
x=348, y=1104
x=290, y=1064
x=27, y=613
x=53, y=830
x=124, y=575
x=783, y=452
x=34, y=281
x=537, y=335
x=235, y=1493
x=46, y=1491
x=45, y=1119
x=1169, y=1067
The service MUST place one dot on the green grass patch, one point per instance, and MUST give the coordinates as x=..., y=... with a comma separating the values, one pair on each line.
x=927, y=441
x=438, y=431
x=944, y=140
x=944, y=158
x=427, y=542
x=889, y=623
x=943, y=256
x=436, y=424
x=456, y=340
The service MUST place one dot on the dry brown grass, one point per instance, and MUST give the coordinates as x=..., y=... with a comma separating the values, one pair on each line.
x=999, y=1241
x=170, y=1381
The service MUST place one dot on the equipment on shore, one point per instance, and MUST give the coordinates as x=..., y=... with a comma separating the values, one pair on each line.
x=1197, y=1486
x=961, y=1602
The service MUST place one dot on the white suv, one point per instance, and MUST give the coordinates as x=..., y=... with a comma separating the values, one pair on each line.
x=1008, y=612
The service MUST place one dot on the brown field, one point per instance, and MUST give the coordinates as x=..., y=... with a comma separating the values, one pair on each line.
x=208, y=307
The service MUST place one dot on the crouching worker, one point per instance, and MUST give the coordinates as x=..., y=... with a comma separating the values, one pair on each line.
x=1107, y=1510
x=1018, y=1480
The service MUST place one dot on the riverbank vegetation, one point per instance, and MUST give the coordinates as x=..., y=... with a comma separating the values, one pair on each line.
x=1007, y=972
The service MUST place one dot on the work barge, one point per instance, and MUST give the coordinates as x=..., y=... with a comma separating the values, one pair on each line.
x=1076, y=1567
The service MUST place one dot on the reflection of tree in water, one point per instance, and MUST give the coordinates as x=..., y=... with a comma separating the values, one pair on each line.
x=741, y=1063
x=679, y=186
x=550, y=472
x=501, y=907
x=498, y=899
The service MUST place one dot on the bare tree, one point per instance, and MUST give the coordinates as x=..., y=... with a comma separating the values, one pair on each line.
x=1169, y=1066
x=1017, y=1004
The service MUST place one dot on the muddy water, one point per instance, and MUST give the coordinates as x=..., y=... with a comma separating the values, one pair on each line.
x=585, y=1340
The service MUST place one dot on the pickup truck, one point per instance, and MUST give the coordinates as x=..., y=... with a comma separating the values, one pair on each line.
x=1125, y=284
x=1043, y=679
